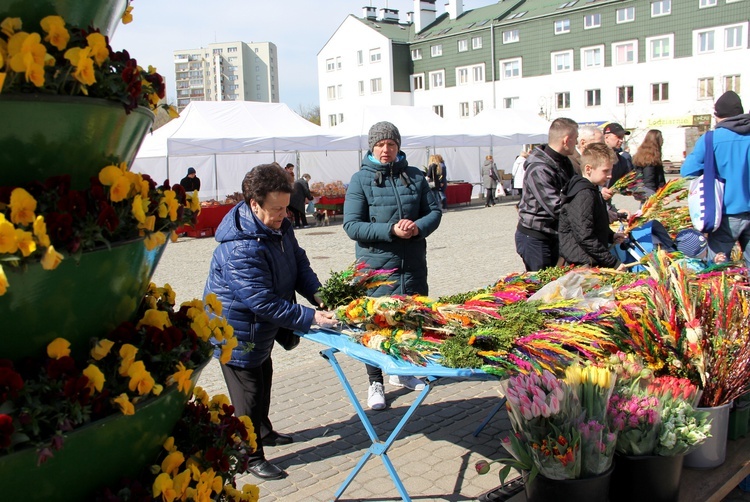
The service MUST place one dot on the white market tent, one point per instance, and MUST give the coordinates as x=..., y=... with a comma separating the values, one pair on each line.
x=223, y=140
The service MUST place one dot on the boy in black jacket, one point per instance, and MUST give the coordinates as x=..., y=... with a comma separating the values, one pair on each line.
x=583, y=230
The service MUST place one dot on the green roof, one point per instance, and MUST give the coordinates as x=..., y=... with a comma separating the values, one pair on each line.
x=397, y=32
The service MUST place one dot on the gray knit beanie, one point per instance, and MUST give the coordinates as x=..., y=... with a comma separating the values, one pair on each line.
x=381, y=131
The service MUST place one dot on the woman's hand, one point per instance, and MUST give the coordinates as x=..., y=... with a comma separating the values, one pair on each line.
x=325, y=319
x=405, y=229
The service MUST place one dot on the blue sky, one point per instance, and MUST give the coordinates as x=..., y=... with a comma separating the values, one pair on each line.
x=299, y=28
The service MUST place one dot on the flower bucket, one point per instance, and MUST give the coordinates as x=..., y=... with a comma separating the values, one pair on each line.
x=102, y=14
x=43, y=136
x=594, y=489
x=713, y=451
x=76, y=301
x=646, y=477
x=96, y=455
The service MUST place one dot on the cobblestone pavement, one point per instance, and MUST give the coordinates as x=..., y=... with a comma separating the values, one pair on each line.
x=436, y=452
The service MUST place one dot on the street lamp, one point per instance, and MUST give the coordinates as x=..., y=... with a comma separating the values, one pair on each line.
x=544, y=108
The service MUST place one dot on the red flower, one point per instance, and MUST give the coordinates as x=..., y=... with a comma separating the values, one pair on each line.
x=10, y=383
x=63, y=367
x=107, y=217
x=6, y=430
x=59, y=184
x=73, y=202
x=217, y=459
x=59, y=228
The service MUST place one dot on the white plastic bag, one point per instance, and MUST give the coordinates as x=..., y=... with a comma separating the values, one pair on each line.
x=499, y=191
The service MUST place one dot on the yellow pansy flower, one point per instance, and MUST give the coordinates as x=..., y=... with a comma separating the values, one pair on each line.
x=140, y=379
x=109, y=174
x=120, y=189
x=101, y=349
x=10, y=25
x=201, y=327
x=57, y=348
x=169, y=444
x=148, y=224
x=139, y=208
x=173, y=237
x=218, y=401
x=3, y=282
x=194, y=202
x=2, y=75
x=24, y=49
x=172, y=112
x=226, y=350
x=95, y=376
x=201, y=395
x=51, y=259
x=169, y=294
x=26, y=242
x=182, y=484
x=127, y=353
x=164, y=486
x=40, y=231
x=57, y=35
x=182, y=378
x=127, y=16
x=154, y=240
x=81, y=59
x=156, y=318
x=35, y=74
x=213, y=303
x=22, y=207
x=143, y=188
x=157, y=389
x=172, y=462
x=251, y=437
x=126, y=407
x=98, y=45
x=8, y=242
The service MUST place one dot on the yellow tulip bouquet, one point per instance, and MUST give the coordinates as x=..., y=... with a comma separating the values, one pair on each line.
x=54, y=58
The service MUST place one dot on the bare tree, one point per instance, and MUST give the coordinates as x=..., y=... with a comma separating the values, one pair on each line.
x=311, y=113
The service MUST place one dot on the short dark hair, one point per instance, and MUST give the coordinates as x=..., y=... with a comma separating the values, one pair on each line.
x=561, y=127
x=288, y=165
x=264, y=179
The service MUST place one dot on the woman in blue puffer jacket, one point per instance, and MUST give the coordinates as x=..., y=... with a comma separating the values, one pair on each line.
x=255, y=271
x=389, y=211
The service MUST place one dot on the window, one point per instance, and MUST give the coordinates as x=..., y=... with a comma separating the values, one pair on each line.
x=338, y=62
x=375, y=55
x=437, y=79
x=562, y=61
x=376, y=85
x=510, y=36
x=330, y=65
x=626, y=15
x=332, y=120
x=463, y=45
x=478, y=73
x=510, y=68
x=462, y=76
x=562, y=26
x=660, y=92
x=732, y=83
x=416, y=54
x=339, y=91
x=592, y=21
x=624, y=53
x=591, y=57
x=705, y=42
x=510, y=102
x=706, y=88
x=232, y=49
x=476, y=42
x=594, y=97
x=562, y=100
x=659, y=48
x=361, y=87
x=478, y=106
x=438, y=109
x=331, y=92
x=463, y=109
x=436, y=50
x=733, y=38
x=360, y=58
x=624, y=94
x=706, y=3
x=661, y=8
x=417, y=82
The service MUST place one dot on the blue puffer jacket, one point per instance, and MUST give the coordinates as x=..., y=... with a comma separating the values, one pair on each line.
x=255, y=272
x=379, y=195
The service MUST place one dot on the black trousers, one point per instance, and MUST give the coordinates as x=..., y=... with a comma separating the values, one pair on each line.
x=490, y=199
x=300, y=220
x=250, y=392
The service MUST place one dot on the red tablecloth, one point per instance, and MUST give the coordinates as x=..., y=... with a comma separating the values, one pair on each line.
x=208, y=220
x=335, y=204
x=458, y=193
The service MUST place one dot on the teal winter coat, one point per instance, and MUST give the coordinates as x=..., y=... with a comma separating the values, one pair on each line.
x=379, y=195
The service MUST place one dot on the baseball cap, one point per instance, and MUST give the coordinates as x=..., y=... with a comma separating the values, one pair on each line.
x=615, y=128
x=690, y=242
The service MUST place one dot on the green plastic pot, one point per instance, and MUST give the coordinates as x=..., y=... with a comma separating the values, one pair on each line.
x=102, y=14
x=76, y=301
x=96, y=455
x=47, y=135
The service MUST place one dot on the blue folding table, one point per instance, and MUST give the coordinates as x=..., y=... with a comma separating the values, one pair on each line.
x=337, y=342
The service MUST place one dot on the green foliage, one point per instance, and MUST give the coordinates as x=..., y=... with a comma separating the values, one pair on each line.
x=338, y=290
x=460, y=298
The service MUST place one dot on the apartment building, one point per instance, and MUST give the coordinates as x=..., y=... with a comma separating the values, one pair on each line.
x=228, y=71
x=643, y=63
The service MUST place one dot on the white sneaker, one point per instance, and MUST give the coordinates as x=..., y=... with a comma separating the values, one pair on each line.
x=410, y=382
x=376, y=396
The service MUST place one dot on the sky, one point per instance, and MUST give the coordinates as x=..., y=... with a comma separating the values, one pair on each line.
x=298, y=28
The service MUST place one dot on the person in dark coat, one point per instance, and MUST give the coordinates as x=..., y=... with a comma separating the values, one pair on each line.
x=298, y=200
x=255, y=271
x=191, y=182
x=389, y=211
x=583, y=229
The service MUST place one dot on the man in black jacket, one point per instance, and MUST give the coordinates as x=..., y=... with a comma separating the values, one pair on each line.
x=548, y=170
x=191, y=182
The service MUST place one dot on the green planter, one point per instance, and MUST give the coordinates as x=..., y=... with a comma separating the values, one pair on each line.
x=96, y=455
x=44, y=135
x=102, y=14
x=76, y=301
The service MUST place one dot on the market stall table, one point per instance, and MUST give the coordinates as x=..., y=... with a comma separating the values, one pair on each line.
x=208, y=221
x=337, y=342
x=331, y=205
x=458, y=193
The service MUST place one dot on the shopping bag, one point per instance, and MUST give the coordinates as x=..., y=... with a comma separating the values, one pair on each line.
x=499, y=191
x=706, y=193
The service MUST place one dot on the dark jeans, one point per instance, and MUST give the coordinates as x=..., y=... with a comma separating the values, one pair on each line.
x=490, y=197
x=537, y=253
x=250, y=392
x=300, y=220
x=374, y=374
